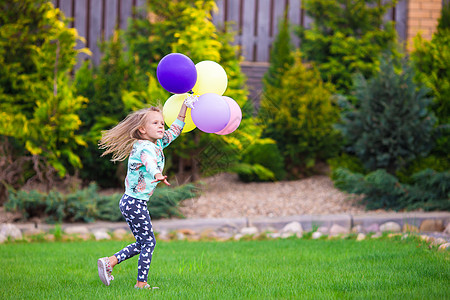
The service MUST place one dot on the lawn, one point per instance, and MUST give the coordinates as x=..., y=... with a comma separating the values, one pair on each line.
x=270, y=269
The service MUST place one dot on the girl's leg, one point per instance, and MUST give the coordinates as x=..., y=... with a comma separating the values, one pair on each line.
x=147, y=241
x=128, y=206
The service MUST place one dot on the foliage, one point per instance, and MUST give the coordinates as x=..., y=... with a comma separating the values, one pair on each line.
x=429, y=190
x=301, y=117
x=390, y=126
x=262, y=161
x=104, y=86
x=37, y=104
x=87, y=205
x=281, y=58
x=346, y=37
x=432, y=63
x=346, y=161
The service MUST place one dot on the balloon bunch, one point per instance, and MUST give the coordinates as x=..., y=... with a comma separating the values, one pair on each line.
x=202, y=85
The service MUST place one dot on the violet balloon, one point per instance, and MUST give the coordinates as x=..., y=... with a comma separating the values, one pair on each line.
x=176, y=73
x=235, y=116
x=211, y=113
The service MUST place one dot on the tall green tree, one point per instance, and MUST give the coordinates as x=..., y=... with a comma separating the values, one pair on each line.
x=391, y=125
x=38, y=107
x=304, y=112
x=346, y=37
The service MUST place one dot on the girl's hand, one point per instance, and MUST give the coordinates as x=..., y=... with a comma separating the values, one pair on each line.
x=160, y=177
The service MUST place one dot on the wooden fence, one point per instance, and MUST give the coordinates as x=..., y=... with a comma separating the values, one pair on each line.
x=255, y=21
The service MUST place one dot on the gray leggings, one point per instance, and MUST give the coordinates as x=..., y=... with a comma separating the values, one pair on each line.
x=136, y=214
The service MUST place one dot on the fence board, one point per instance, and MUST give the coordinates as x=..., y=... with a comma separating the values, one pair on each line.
x=95, y=29
x=248, y=29
x=110, y=18
x=294, y=19
x=264, y=40
x=126, y=12
x=81, y=27
x=219, y=14
x=400, y=19
x=278, y=14
x=233, y=14
x=66, y=7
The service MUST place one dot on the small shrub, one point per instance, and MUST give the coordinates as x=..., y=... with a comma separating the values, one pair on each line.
x=429, y=190
x=87, y=205
x=262, y=162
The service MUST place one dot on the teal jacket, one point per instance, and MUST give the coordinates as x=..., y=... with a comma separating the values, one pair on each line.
x=146, y=160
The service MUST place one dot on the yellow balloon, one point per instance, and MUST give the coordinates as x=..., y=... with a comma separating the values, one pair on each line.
x=211, y=78
x=172, y=108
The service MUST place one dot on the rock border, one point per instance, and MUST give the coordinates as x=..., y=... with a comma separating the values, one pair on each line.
x=434, y=228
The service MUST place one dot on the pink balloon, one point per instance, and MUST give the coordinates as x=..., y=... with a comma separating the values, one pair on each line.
x=211, y=113
x=235, y=117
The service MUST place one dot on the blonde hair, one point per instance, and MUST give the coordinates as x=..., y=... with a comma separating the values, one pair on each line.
x=119, y=140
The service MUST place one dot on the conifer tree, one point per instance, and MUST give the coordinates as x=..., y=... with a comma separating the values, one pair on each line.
x=391, y=125
x=346, y=37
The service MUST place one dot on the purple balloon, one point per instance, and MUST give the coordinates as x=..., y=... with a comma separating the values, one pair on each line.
x=176, y=73
x=211, y=113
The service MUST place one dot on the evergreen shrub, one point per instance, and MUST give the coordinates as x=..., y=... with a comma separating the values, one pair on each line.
x=390, y=125
x=346, y=37
x=429, y=190
x=300, y=117
x=87, y=205
x=262, y=161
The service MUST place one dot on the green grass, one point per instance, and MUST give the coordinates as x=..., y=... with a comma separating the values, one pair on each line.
x=271, y=269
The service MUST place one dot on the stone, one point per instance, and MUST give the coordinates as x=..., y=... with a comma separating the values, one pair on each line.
x=357, y=229
x=447, y=229
x=431, y=225
x=293, y=227
x=373, y=228
x=228, y=228
x=180, y=236
x=377, y=235
x=187, y=231
x=249, y=230
x=119, y=233
x=76, y=230
x=410, y=228
x=338, y=229
x=10, y=230
x=3, y=238
x=361, y=236
x=316, y=235
x=444, y=247
x=323, y=229
x=101, y=234
x=49, y=237
x=390, y=227
x=238, y=236
x=438, y=242
x=32, y=231
x=286, y=235
x=430, y=239
x=274, y=235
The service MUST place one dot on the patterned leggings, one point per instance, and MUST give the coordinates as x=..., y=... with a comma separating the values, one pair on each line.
x=136, y=214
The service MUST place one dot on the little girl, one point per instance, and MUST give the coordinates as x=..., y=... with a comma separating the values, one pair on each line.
x=140, y=136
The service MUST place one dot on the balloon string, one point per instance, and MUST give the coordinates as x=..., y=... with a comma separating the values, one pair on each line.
x=190, y=100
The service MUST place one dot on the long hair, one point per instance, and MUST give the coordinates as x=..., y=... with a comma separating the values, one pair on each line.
x=119, y=140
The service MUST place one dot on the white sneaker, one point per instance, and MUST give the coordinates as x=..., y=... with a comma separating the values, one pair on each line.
x=104, y=270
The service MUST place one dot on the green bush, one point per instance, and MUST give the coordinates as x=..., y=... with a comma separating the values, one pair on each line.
x=38, y=107
x=300, y=117
x=346, y=37
x=432, y=63
x=262, y=161
x=429, y=190
x=390, y=125
x=88, y=205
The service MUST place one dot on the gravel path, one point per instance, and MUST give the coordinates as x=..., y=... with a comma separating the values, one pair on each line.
x=224, y=196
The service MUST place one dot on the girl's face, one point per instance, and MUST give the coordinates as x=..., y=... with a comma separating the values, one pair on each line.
x=153, y=128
